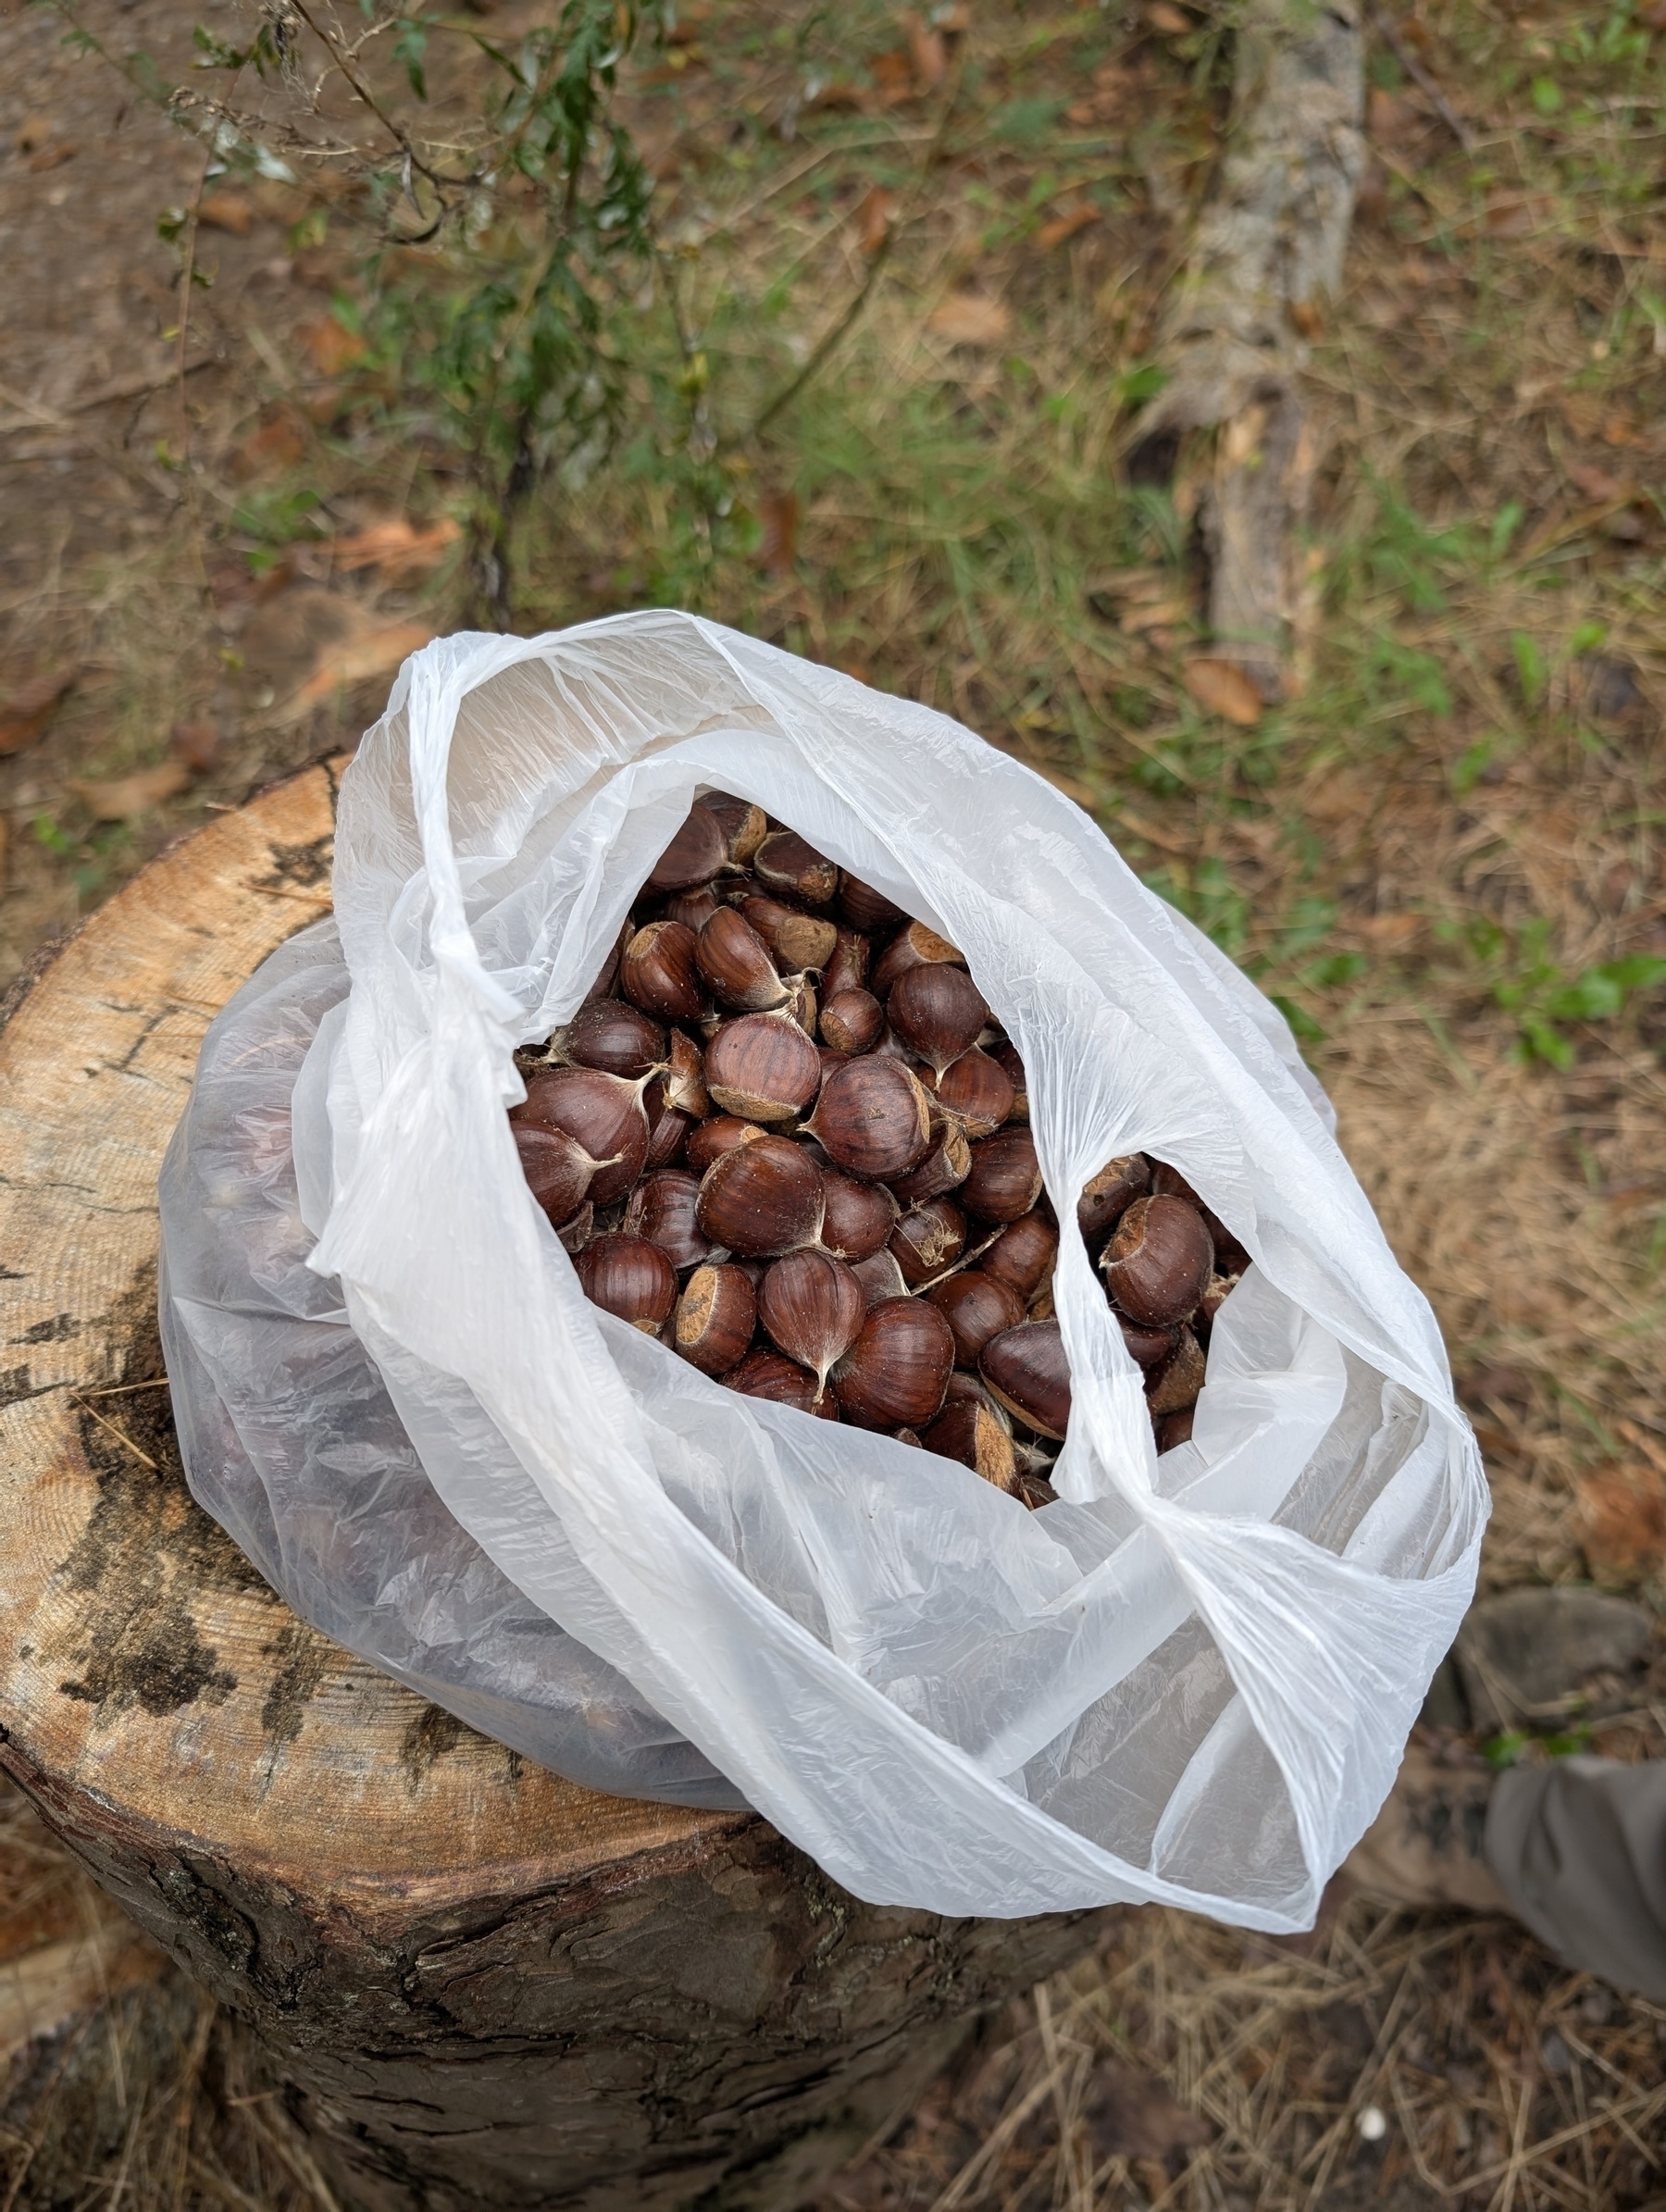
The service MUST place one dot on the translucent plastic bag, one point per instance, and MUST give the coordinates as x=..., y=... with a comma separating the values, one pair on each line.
x=1188, y=1680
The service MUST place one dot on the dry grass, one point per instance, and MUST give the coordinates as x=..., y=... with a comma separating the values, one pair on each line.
x=1458, y=818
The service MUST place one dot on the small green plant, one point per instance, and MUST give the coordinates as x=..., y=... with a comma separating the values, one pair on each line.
x=1526, y=982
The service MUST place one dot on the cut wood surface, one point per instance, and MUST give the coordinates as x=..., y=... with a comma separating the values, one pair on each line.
x=483, y=1985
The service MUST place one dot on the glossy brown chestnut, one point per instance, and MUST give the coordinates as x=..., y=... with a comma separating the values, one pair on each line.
x=880, y=1278
x=783, y=1382
x=602, y=1113
x=937, y=1012
x=852, y=1021
x=615, y=1037
x=762, y=1199
x=1026, y=1370
x=1023, y=1255
x=977, y=1089
x=1148, y=1347
x=857, y=1218
x=847, y=969
x=607, y=976
x=659, y=973
x=763, y=1068
x=928, y=1240
x=692, y=909
x=1230, y=1257
x=628, y=1277
x=1005, y=1180
x=866, y=909
x=812, y=1308
x=970, y=1433
x=661, y=1208
x=1032, y=1489
x=1011, y=1066
x=797, y=942
x=1173, y=1429
x=895, y=1373
x=789, y=866
x=1157, y=1266
x=716, y=1317
x=712, y=1138
x=744, y=826
x=685, y=1077
x=693, y=856
x=975, y=1307
x=667, y=1129
x=944, y=1168
x=914, y=947
x=557, y=1169
x=1173, y=1387
x=735, y=963
x=1107, y=1196
x=873, y=1118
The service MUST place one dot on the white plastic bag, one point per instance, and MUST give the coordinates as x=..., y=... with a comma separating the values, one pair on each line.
x=1189, y=1679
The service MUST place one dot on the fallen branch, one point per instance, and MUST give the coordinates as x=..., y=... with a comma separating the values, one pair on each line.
x=1267, y=255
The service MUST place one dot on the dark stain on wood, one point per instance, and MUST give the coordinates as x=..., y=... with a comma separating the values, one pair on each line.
x=431, y=1734
x=303, y=1659
x=302, y=866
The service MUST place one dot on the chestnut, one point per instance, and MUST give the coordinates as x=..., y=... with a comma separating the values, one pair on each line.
x=661, y=1208
x=1231, y=1258
x=659, y=973
x=798, y=941
x=628, y=1277
x=852, y=1021
x=607, y=976
x=975, y=1307
x=1107, y=1196
x=685, y=1078
x=668, y=1129
x=847, y=968
x=1026, y=1370
x=762, y=1199
x=788, y=864
x=602, y=1113
x=880, y=1278
x=915, y=947
x=1023, y=1255
x=1173, y=1387
x=721, y=1134
x=937, y=1012
x=575, y=1233
x=557, y=1169
x=873, y=1118
x=971, y=1433
x=1032, y=1489
x=1158, y=1265
x=783, y=1382
x=1005, y=1180
x=735, y=963
x=693, y=856
x=1174, y=1428
x=692, y=909
x=763, y=1068
x=1146, y=1346
x=976, y=1090
x=928, y=1240
x=609, y=1033
x=716, y=1317
x=865, y=908
x=813, y=1309
x=894, y=1374
x=944, y=1168
x=744, y=826
x=1011, y=1066
x=857, y=1218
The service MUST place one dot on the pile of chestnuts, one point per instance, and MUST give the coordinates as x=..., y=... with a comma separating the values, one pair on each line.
x=785, y=1135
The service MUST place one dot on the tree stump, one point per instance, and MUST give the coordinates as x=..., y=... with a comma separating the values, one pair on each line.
x=479, y=1984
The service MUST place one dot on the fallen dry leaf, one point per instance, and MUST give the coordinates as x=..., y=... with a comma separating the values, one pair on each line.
x=27, y=709
x=278, y=443
x=778, y=512
x=970, y=318
x=196, y=743
x=894, y=76
x=119, y=798
x=1161, y=613
x=1307, y=316
x=397, y=546
x=1623, y=1512
x=227, y=211
x=1166, y=20
x=1133, y=2115
x=1063, y=227
x=330, y=345
x=368, y=652
x=50, y=157
x=1597, y=483
x=1388, y=117
x=34, y=132
x=1518, y=214
x=1222, y=688
x=874, y=219
x=926, y=51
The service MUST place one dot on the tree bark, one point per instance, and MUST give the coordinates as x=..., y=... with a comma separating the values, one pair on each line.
x=479, y=1985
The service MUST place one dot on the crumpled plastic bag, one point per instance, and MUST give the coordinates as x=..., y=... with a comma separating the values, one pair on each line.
x=1189, y=1680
